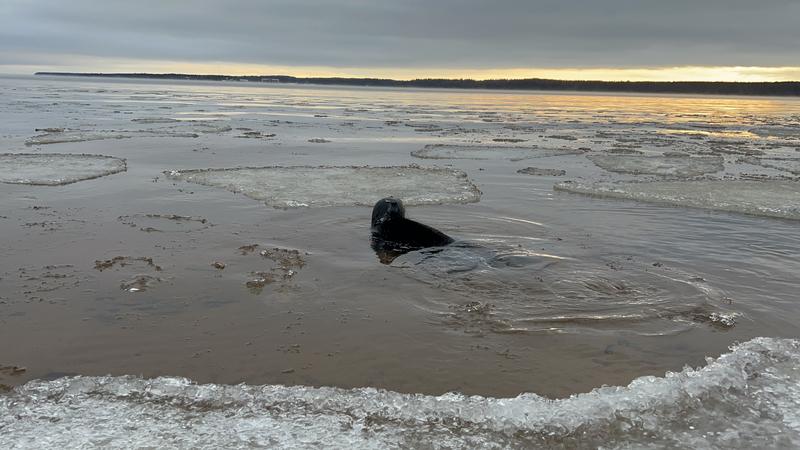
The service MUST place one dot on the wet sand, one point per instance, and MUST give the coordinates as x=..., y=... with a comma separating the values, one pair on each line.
x=333, y=315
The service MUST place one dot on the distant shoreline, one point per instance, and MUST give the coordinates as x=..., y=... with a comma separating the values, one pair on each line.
x=777, y=88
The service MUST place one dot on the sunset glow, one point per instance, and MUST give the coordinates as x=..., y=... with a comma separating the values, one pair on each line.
x=680, y=73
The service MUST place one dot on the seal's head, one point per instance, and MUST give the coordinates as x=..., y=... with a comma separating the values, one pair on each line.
x=387, y=209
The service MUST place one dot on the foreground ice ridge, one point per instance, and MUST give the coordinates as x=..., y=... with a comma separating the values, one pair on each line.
x=748, y=398
x=307, y=186
x=53, y=169
x=764, y=198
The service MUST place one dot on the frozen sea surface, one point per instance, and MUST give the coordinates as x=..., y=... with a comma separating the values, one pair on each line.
x=291, y=187
x=56, y=169
x=748, y=398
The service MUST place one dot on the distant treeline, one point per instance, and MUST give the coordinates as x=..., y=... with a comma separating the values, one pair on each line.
x=539, y=84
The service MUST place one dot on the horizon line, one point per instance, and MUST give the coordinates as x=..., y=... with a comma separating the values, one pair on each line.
x=744, y=88
x=403, y=80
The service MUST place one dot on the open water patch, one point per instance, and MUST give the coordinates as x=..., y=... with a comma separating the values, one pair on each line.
x=324, y=186
x=47, y=283
x=503, y=288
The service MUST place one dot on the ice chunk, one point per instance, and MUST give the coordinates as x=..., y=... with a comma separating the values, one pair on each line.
x=306, y=186
x=659, y=165
x=748, y=398
x=725, y=320
x=56, y=169
x=447, y=151
x=763, y=198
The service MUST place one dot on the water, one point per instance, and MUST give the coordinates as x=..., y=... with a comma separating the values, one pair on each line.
x=545, y=295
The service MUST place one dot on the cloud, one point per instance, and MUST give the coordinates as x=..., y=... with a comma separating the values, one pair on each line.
x=445, y=34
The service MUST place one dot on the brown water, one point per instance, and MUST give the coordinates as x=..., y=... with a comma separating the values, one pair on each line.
x=546, y=292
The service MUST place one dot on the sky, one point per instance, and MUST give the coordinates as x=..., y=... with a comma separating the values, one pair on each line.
x=725, y=40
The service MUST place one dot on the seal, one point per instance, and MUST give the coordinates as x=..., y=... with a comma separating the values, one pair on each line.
x=394, y=235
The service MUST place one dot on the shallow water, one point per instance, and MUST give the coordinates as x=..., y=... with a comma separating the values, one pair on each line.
x=545, y=292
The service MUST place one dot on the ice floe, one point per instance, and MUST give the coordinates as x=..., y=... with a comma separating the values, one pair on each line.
x=209, y=127
x=509, y=140
x=777, y=132
x=748, y=398
x=75, y=136
x=155, y=120
x=56, y=169
x=307, y=186
x=764, y=198
x=447, y=151
x=60, y=136
x=791, y=165
x=536, y=171
x=678, y=166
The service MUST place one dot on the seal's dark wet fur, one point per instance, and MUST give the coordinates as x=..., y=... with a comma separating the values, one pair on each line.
x=393, y=234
